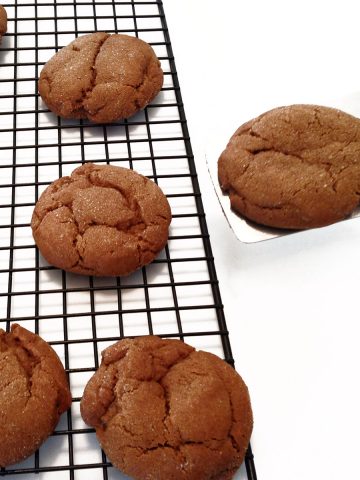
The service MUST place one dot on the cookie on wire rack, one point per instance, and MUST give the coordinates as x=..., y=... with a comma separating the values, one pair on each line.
x=163, y=410
x=103, y=220
x=101, y=77
x=3, y=22
x=33, y=393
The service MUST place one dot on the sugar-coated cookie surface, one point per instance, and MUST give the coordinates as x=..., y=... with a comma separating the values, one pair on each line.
x=3, y=22
x=102, y=220
x=294, y=167
x=163, y=410
x=101, y=77
x=33, y=393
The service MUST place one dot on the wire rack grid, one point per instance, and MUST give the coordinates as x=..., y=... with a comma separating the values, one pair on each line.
x=176, y=296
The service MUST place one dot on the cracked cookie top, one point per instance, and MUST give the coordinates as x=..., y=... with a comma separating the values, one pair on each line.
x=294, y=167
x=102, y=220
x=3, y=22
x=101, y=77
x=162, y=410
x=33, y=393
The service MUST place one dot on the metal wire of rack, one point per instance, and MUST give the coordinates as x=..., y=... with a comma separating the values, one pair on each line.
x=176, y=296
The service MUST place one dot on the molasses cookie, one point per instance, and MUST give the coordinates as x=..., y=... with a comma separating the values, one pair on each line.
x=3, y=22
x=102, y=220
x=33, y=393
x=162, y=410
x=101, y=77
x=294, y=167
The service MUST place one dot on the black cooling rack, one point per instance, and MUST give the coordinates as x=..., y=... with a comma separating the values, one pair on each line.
x=176, y=296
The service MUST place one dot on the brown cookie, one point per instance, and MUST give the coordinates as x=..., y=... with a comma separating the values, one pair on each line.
x=33, y=393
x=294, y=167
x=162, y=410
x=101, y=77
x=103, y=220
x=3, y=22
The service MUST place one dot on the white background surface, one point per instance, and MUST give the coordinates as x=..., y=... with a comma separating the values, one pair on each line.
x=291, y=303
